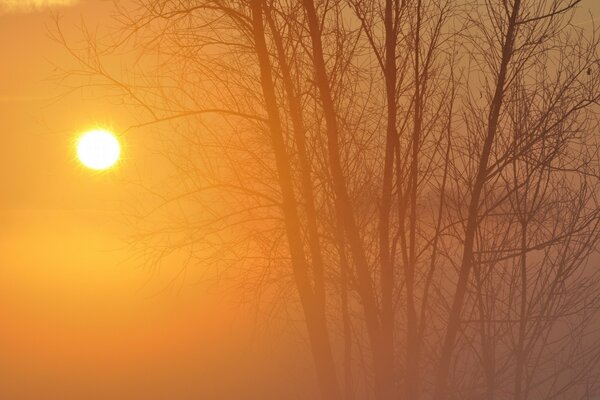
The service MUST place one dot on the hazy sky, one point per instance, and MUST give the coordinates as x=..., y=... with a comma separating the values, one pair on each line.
x=78, y=318
x=38, y=163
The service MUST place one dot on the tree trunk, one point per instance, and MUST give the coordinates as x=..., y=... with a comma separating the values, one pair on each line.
x=384, y=379
x=313, y=309
x=387, y=269
x=441, y=387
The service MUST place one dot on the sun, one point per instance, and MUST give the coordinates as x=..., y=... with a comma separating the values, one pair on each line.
x=98, y=149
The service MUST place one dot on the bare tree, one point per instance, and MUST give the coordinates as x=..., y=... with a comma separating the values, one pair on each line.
x=423, y=173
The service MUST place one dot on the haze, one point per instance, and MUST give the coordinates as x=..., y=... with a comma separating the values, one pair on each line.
x=85, y=312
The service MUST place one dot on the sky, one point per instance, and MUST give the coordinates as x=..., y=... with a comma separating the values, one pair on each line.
x=80, y=316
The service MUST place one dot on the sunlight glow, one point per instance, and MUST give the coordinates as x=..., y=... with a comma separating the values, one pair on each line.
x=25, y=6
x=98, y=149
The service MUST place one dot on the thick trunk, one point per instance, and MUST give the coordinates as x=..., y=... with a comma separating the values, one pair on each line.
x=305, y=169
x=387, y=269
x=441, y=387
x=520, y=351
x=346, y=318
x=412, y=340
x=384, y=384
x=313, y=309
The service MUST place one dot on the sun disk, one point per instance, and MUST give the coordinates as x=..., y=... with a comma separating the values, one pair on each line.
x=98, y=149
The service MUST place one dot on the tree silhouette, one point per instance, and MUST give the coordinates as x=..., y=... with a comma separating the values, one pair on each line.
x=424, y=172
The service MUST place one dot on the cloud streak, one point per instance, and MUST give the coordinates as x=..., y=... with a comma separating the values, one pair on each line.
x=25, y=6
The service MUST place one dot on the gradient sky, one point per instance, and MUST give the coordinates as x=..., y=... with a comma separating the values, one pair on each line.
x=79, y=318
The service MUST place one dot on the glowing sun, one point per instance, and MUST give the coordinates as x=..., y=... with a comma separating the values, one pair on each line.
x=98, y=149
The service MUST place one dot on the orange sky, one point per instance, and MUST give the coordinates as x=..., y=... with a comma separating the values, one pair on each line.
x=79, y=319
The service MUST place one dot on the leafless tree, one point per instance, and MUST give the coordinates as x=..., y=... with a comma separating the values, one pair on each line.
x=425, y=174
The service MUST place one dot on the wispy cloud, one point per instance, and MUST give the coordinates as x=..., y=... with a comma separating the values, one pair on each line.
x=24, y=6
